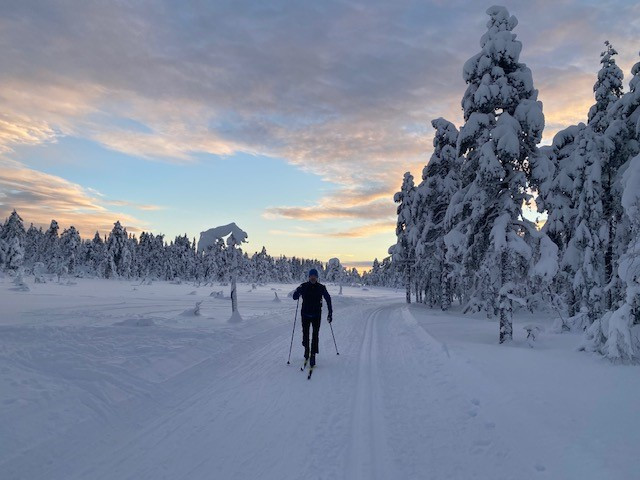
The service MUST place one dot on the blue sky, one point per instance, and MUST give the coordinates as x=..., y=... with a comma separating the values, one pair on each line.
x=294, y=119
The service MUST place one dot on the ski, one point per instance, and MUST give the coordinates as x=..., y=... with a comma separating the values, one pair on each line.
x=310, y=372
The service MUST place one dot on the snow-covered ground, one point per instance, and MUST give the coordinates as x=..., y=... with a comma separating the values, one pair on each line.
x=116, y=380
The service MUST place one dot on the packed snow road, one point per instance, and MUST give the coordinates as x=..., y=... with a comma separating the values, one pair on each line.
x=132, y=385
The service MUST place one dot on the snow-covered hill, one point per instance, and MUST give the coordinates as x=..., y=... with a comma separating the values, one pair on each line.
x=117, y=380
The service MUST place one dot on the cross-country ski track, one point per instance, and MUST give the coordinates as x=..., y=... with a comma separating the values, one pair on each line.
x=397, y=403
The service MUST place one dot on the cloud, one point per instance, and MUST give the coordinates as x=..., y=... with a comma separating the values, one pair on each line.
x=124, y=203
x=20, y=131
x=366, y=230
x=296, y=234
x=330, y=207
x=40, y=198
x=361, y=231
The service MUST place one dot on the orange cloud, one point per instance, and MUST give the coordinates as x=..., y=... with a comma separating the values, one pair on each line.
x=40, y=197
x=361, y=231
x=367, y=230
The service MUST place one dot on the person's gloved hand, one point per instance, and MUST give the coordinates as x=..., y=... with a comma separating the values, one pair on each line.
x=330, y=317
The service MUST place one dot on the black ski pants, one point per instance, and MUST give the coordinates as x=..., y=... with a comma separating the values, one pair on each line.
x=308, y=322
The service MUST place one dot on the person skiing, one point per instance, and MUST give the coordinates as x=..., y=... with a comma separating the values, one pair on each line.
x=312, y=293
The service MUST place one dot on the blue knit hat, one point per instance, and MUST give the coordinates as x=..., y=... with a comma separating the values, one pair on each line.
x=313, y=272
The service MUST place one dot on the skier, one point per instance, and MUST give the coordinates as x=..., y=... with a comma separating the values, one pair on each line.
x=312, y=293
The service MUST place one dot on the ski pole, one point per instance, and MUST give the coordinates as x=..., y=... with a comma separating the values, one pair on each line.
x=295, y=319
x=334, y=339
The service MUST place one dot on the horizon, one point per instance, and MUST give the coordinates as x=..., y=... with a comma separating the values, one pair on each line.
x=295, y=122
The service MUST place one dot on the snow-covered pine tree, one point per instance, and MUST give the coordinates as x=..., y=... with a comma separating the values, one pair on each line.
x=504, y=124
x=335, y=272
x=440, y=181
x=222, y=260
x=623, y=133
x=158, y=256
x=211, y=265
x=584, y=226
x=617, y=334
x=182, y=258
x=50, y=248
x=70, y=248
x=554, y=181
x=96, y=255
x=32, y=242
x=373, y=276
x=607, y=89
x=262, y=267
x=586, y=249
x=118, y=254
x=353, y=276
x=12, y=238
x=283, y=270
x=403, y=251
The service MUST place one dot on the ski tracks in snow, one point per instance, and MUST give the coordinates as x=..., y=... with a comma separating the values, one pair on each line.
x=393, y=405
x=368, y=449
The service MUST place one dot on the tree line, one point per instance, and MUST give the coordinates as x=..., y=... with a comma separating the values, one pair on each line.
x=122, y=255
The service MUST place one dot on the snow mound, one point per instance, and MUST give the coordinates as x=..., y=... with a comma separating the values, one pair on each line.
x=136, y=322
x=193, y=312
x=235, y=317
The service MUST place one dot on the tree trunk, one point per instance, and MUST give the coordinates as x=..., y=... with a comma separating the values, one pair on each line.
x=407, y=282
x=506, y=326
x=234, y=273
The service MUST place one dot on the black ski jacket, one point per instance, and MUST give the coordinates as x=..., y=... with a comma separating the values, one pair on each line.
x=312, y=294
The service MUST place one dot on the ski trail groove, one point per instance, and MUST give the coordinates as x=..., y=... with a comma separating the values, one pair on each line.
x=368, y=451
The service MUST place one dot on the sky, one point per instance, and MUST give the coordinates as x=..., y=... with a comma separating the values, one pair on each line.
x=294, y=119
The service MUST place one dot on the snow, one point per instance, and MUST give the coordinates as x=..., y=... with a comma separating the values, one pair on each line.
x=546, y=267
x=631, y=194
x=209, y=237
x=100, y=380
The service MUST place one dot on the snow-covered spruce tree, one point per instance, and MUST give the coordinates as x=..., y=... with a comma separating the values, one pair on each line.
x=585, y=254
x=283, y=270
x=373, y=276
x=403, y=251
x=583, y=226
x=32, y=242
x=144, y=254
x=12, y=238
x=503, y=125
x=158, y=256
x=624, y=133
x=50, y=248
x=617, y=334
x=608, y=90
x=554, y=181
x=440, y=181
x=70, y=248
x=222, y=260
x=118, y=253
x=182, y=258
x=581, y=200
x=261, y=267
x=97, y=255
